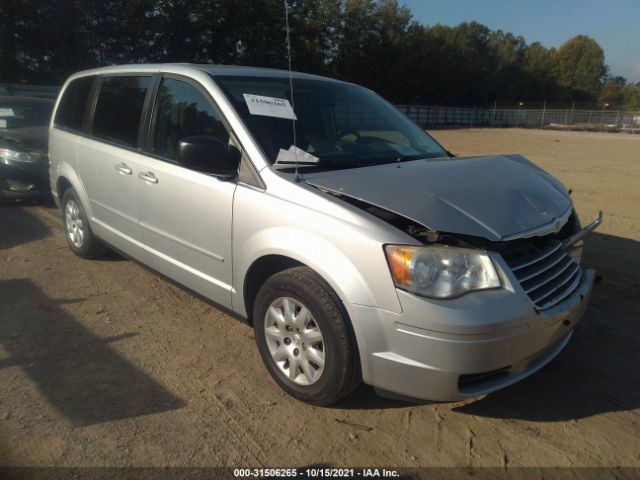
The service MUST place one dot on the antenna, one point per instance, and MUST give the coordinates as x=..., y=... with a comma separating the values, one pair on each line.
x=293, y=105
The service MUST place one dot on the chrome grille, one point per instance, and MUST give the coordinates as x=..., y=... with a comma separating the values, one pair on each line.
x=544, y=270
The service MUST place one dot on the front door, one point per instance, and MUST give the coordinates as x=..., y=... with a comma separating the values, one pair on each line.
x=185, y=215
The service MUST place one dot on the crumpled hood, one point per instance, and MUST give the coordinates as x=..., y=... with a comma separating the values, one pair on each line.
x=496, y=197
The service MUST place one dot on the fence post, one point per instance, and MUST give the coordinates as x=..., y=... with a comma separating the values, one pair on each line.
x=544, y=108
x=573, y=105
x=602, y=116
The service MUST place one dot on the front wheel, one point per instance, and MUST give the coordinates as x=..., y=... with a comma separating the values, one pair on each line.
x=79, y=235
x=304, y=338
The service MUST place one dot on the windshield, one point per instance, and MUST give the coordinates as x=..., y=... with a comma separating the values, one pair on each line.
x=336, y=124
x=16, y=113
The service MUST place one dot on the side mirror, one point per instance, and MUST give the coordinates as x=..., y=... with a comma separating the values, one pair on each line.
x=207, y=154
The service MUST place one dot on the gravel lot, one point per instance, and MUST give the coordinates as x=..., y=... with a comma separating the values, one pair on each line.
x=103, y=363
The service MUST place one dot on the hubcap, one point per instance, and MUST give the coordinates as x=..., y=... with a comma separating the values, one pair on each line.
x=74, y=224
x=294, y=340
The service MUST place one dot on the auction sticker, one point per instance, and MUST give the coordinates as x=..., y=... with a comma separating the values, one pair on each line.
x=269, y=106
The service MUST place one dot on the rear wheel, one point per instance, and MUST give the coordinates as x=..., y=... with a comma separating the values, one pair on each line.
x=79, y=235
x=304, y=337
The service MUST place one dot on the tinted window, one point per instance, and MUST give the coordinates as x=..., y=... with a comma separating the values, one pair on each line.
x=119, y=107
x=183, y=111
x=71, y=110
x=20, y=113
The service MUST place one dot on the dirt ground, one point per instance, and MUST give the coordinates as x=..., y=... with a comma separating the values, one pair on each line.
x=102, y=363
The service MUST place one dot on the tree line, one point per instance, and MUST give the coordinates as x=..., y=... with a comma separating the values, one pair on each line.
x=375, y=43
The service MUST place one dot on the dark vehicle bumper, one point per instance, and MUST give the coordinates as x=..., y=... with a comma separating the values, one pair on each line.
x=21, y=180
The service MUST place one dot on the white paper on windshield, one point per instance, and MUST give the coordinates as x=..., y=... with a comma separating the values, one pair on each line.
x=6, y=112
x=3, y=123
x=269, y=106
x=295, y=154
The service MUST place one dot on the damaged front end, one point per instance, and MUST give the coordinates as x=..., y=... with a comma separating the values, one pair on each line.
x=547, y=266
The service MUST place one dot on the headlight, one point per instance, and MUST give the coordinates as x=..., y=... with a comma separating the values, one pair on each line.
x=12, y=155
x=440, y=272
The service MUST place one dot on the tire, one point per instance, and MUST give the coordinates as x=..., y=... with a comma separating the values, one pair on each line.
x=77, y=230
x=296, y=289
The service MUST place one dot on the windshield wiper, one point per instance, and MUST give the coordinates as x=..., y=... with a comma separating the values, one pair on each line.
x=418, y=156
x=334, y=161
x=324, y=162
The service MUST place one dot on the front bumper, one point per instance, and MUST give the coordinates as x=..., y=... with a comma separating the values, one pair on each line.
x=24, y=180
x=451, y=350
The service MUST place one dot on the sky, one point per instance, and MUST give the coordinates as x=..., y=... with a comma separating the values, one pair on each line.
x=614, y=24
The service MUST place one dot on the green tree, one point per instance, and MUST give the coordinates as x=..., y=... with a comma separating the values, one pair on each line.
x=631, y=97
x=372, y=42
x=612, y=92
x=314, y=34
x=580, y=66
x=541, y=81
x=371, y=46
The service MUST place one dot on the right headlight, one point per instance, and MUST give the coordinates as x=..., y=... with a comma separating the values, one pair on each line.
x=440, y=272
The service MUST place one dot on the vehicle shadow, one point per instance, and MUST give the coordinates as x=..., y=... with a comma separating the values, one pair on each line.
x=110, y=256
x=18, y=226
x=77, y=372
x=48, y=202
x=367, y=398
x=599, y=370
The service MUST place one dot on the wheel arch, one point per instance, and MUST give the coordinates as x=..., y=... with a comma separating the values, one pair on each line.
x=258, y=273
x=338, y=273
x=68, y=178
x=62, y=185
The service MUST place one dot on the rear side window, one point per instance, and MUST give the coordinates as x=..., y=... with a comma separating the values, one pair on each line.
x=119, y=108
x=70, y=113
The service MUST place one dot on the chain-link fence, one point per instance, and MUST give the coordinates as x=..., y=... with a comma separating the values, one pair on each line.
x=561, y=119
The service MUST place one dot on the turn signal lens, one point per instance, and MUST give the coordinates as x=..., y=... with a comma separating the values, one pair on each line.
x=399, y=261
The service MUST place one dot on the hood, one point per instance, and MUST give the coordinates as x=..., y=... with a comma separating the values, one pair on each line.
x=30, y=139
x=496, y=197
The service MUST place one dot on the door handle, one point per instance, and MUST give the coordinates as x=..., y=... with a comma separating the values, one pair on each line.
x=148, y=177
x=124, y=169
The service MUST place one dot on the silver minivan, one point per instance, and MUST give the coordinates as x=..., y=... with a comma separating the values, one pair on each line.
x=359, y=248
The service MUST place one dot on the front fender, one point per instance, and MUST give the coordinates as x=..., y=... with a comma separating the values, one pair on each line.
x=346, y=254
x=316, y=253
